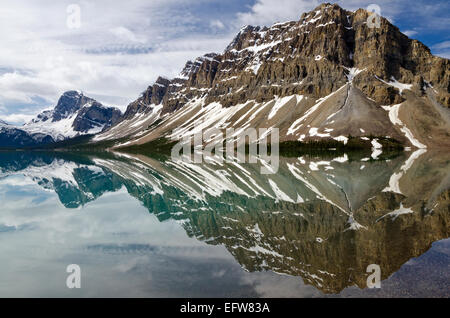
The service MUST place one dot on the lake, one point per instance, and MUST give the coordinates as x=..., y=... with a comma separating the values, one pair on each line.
x=139, y=226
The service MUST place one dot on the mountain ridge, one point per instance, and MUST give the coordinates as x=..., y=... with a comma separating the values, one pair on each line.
x=74, y=115
x=314, y=58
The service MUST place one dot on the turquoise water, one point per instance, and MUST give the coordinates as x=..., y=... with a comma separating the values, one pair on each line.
x=143, y=227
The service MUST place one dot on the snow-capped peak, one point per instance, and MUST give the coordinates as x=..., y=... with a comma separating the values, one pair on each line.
x=75, y=114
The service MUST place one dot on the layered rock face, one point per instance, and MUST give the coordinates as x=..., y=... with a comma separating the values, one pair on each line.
x=96, y=117
x=329, y=57
x=75, y=114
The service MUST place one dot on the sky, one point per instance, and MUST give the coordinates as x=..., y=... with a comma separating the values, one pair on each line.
x=113, y=50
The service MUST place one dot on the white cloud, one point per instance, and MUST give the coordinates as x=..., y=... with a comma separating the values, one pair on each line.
x=117, y=52
x=442, y=45
x=217, y=24
x=442, y=49
x=266, y=12
x=16, y=119
x=125, y=34
x=444, y=54
x=410, y=33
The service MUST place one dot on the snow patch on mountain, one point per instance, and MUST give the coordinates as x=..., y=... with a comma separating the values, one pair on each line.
x=396, y=84
x=394, y=181
x=395, y=214
x=394, y=117
x=58, y=130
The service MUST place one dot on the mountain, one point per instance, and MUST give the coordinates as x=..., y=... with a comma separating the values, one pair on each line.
x=16, y=137
x=327, y=76
x=75, y=114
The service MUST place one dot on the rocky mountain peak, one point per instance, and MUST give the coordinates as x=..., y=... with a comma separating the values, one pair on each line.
x=69, y=103
x=243, y=38
x=310, y=56
x=193, y=67
x=75, y=114
x=328, y=51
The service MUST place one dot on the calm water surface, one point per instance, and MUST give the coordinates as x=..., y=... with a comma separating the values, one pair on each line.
x=144, y=227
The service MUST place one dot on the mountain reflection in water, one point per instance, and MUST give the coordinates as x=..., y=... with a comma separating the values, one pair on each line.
x=322, y=219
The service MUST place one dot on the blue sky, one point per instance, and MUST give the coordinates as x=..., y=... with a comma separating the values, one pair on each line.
x=120, y=48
